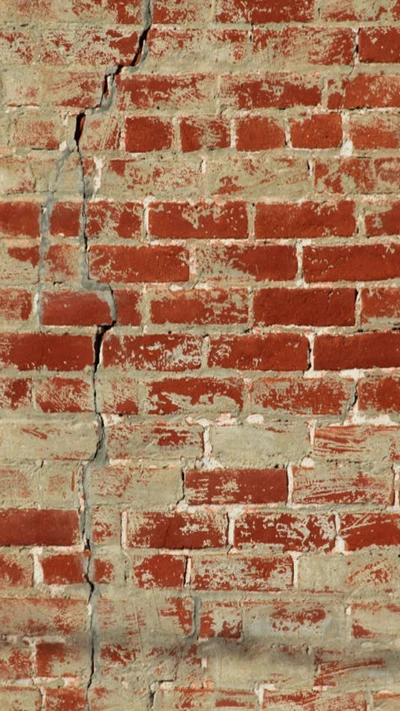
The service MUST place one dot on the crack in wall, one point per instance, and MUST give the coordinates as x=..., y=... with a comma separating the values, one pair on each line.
x=100, y=456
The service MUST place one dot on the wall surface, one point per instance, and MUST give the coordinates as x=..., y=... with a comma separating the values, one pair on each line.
x=200, y=350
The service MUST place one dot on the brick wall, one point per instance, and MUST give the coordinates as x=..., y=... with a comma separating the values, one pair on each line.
x=200, y=344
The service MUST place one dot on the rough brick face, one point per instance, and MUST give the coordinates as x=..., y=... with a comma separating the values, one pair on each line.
x=200, y=352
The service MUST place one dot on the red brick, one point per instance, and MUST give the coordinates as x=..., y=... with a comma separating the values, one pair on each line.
x=15, y=304
x=369, y=91
x=127, y=304
x=30, y=527
x=159, y=571
x=374, y=131
x=176, y=530
x=247, y=262
x=318, y=131
x=379, y=44
x=75, y=308
x=241, y=486
x=122, y=219
x=380, y=304
x=199, y=221
x=305, y=220
x=384, y=222
x=166, y=92
x=198, y=132
x=64, y=569
x=33, y=351
x=302, y=396
x=15, y=393
x=303, y=307
x=275, y=351
x=130, y=265
x=381, y=394
x=67, y=699
x=360, y=175
x=296, y=533
x=187, y=11
x=329, y=483
x=65, y=219
x=55, y=659
x=166, y=397
x=160, y=352
x=238, y=572
x=19, y=219
x=362, y=530
x=220, y=619
x=252, y=11
x=293, y=46
x=279, y=91
x=62, y=263
x=338, y=11
x=147, y=133
x=15, y=570
x=258, y=133
x=64, y=395
x=367, y=262
x=363, y=350
x=201, y=306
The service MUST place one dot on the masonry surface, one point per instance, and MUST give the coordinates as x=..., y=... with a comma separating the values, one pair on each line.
x=200, y=351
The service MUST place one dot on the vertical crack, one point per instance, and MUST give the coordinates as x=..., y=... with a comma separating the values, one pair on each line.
x=99, y=457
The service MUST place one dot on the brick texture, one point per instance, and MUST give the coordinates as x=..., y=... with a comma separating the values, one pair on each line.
x=200, y=351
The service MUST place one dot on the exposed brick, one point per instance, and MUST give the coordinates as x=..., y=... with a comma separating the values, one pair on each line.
x=270, y=352
x=169, y=396
x=163, y=352
x=367, y=262
x=75, y=308
x=238, y=572
x=316, y=307
x=27, y=527
x=19, y=219
x=130, y=265
x=363, y=350
x=199, y=221
x=175, y=530
x=319, y=131
x=258, y=133
x=250, y=486
x=201, y=306
x=251, y=11
x=320, y=396
x=290, y=532
x=31, y=351
x=305, y=220
x=147, y=133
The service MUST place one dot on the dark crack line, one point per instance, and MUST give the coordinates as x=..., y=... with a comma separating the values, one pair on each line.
x=99, y=457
